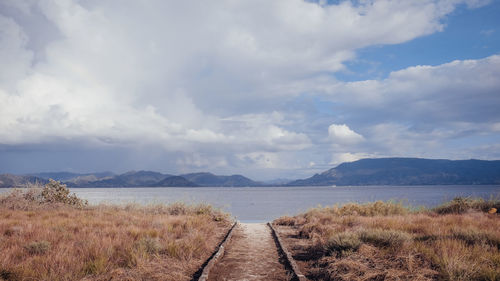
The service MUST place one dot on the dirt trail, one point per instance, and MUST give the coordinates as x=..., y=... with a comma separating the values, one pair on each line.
x=250, y=255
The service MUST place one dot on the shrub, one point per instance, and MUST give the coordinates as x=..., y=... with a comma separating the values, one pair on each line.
x=384, y=238
x=149, y=245
x=124, y=257
x=460, y=205
x=285, y=220
x=311, y=229
x=473, y=237
x=34, y=194
x=342, y=243
x=177, y=209
x=203, y=209
x=378, y=208
x=37, y=248
x=56, y=192
x=95, y=266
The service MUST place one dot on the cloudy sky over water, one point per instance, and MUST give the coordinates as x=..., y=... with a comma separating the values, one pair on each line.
x=268, y=89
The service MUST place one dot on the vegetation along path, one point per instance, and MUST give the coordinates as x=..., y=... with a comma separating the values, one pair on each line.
x=250, y=255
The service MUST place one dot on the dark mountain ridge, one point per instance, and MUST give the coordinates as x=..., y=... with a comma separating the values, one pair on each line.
x=10, y=180
x=128, y=179
x=379, y=171
x=66, y=176
x=407, y=171
x=175, y=181
x=209, y=179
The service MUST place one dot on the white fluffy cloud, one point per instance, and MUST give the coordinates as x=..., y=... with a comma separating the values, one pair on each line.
x=342, y=134
x=447, y=92
x=339, y=158
x=445, y=111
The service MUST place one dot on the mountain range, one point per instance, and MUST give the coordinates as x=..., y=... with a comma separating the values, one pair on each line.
x=129, y=179
x=407, y=171
x=379, y=171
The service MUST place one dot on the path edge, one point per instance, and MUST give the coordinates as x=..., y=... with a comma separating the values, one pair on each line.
x=288, y=256
x=210, y=263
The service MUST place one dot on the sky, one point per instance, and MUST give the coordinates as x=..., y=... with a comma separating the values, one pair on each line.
x=267, y=89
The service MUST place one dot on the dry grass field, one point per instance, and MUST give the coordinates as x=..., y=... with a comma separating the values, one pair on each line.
x=459, y=240
x=47, y=234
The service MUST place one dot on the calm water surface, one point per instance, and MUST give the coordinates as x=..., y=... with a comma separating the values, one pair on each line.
x=256, y=204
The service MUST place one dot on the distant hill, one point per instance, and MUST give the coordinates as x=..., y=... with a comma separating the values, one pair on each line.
x=74, y=178
x=129, y=179
x=381, y=171
x=407, y=171
x=68, y=176
x=155, y=179
x=208, y=179
x=176, y=181
x=10, y=180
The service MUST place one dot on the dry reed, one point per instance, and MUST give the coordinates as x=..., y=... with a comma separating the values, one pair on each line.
x=459, y=240
x=60, y=240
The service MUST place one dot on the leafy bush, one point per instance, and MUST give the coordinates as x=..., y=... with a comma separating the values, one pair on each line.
x=56, y=192
x=38, y=196
x=342, y=243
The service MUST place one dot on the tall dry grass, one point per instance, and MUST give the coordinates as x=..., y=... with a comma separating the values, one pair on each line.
x=459, y=240
x=49, y=240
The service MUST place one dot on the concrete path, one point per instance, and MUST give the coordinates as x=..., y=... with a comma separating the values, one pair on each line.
x=250, y=255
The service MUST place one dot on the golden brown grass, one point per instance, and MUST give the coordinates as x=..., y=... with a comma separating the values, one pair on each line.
x=387, y=241
x=61, y=241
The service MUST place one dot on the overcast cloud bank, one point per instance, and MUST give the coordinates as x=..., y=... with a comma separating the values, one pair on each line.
x=231, y=86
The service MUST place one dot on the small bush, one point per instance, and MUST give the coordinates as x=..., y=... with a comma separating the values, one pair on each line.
x=95, y=266
x=378, y=208
x=474, y=237
x=124, y=257
x=37, y=248
x=56, y=192
x=172, y=249
x=177, y=209
x=34, y=194
x=342, y=243
x=460, y=205
x=149, y=245
x=203, y=209
x=311, y=229
x=285, y=220
x=385, y=238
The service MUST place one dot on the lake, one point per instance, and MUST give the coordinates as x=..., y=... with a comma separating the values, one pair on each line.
x=259, y=204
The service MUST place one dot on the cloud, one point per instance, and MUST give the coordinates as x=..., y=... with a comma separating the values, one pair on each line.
x=339, y=158
x=225, y=82
x=16, y=59
x=487, y=32
x=342, y=134
x=422, y=111
x=459, y=91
